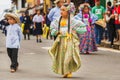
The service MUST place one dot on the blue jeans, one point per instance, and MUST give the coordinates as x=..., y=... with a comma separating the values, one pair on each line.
x=98, y=33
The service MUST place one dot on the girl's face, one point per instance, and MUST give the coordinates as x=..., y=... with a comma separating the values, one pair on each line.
x=38, y=12
x=11, y=20
x=86, y=10
x=64, y=12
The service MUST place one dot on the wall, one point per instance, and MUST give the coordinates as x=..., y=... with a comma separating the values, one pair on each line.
x=19, y=4
x=31, y=2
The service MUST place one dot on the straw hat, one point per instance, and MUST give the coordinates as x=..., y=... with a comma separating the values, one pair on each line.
x=56, y=1
x=13, y=16
x=101, y=22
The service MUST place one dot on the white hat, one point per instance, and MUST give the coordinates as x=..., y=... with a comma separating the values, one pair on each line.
x=56, y=1
x=13, y=16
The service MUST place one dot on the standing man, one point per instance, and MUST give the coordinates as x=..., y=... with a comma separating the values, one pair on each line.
x=98, y=10
x=55, y=12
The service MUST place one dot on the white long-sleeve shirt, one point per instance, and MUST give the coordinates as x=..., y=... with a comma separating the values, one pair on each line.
x=14, y=36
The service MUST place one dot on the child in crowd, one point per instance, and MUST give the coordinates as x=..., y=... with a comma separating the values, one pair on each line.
x=14, y=36
x=38, y=24
x=87, y=41
x=65, y=50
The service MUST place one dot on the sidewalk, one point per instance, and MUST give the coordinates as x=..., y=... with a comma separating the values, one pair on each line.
x=107, y=45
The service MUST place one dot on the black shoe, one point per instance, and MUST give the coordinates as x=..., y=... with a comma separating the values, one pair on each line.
x=40, y=40
x=111, y=46
x=17, y=66
x=37, y=40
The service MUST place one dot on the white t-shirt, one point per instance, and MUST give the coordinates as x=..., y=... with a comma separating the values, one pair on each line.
x=38, y=18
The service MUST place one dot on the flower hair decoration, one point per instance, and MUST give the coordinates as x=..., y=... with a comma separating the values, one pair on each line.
x=71, y=8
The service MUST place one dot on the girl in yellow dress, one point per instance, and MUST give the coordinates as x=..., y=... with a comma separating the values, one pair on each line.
x=65, y=50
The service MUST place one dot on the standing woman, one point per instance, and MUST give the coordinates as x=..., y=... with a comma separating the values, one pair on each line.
x=116, y=12
x=65, y=50
x=87, y=41
x=27, y=23
x=38, y=24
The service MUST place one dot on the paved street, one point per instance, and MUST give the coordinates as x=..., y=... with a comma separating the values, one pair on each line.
x=35, y=63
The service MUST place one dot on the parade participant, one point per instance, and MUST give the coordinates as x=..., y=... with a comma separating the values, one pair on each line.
x=87, y=41
x=99, y=11
x=14, y=36
x=38, y=24
x=65, y=50
x=27, y=23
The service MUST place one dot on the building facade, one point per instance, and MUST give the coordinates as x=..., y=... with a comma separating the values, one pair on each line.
x=19, y=3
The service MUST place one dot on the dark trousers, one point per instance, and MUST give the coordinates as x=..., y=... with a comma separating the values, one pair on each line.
x=26, y=32
x=112, y=33
x=13, y=55
x=98, y=33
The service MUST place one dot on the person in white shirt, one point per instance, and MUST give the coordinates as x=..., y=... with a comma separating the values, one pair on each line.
x=38, y=24
x=13, y=38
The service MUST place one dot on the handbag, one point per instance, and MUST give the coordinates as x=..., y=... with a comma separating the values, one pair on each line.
x=45, y=31
x=22, y=26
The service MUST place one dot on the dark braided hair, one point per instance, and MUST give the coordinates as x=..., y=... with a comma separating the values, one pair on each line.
x=66, y=5
x=88, y=13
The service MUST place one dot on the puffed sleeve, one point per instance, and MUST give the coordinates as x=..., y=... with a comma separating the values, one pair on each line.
x=54, y=27
x=94, y=18
x=78, y=16
x=78, y=26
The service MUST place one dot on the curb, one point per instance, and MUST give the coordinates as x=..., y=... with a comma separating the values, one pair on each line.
x=107, y=45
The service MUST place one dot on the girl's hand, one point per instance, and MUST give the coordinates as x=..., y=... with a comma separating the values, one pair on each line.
x=112, y=16
x=73, y=31
x=34, y=27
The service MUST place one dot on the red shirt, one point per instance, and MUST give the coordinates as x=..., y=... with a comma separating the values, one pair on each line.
x=116, y=10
